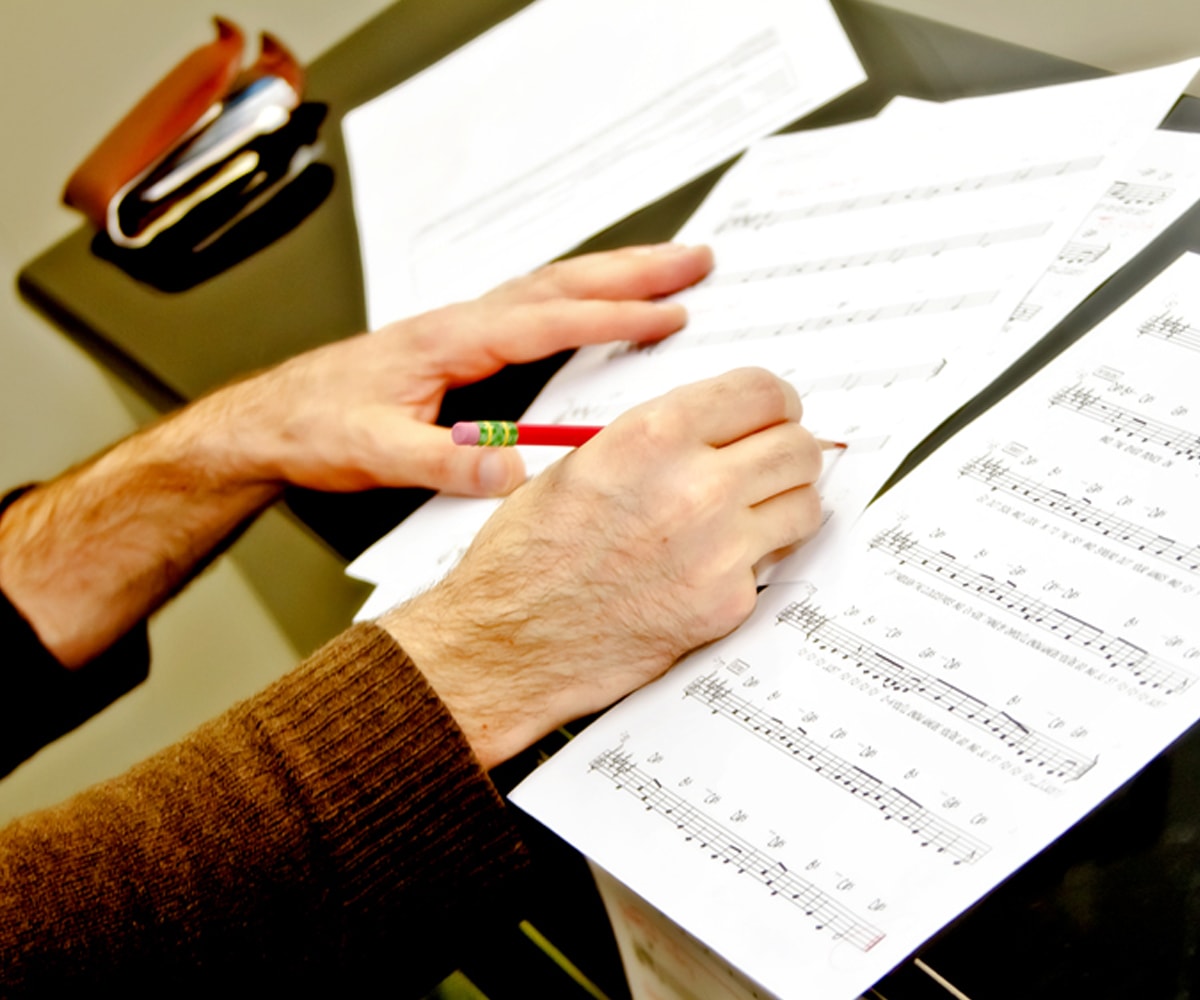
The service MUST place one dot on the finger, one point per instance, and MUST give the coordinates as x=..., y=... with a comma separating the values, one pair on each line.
x=473, y=340
x=784, y=519
x=431, y=459
x=641, y=272
x=772, y=461
x=721, y=410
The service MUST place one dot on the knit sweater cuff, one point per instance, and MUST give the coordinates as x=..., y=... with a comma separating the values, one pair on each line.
x=407, y=811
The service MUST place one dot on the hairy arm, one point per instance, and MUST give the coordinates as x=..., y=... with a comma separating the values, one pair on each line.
x=87, y=556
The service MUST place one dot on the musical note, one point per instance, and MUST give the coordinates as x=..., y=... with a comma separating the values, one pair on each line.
x=1139, y=194
x=1052, y=758
x=852, y=317
x=925, y=192
x=1173, y=329
x=1025, y=312
x=1115, y=652
x=844, y=381
x=1082, y=253
x=891, y=803
x=724, y=846
x=1081, y=511
x=886, y=255
x=1086, y=402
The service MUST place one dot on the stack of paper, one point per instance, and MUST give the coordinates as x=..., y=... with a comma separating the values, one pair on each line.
x=889, y=269
x=797, y=808
x=997, y=645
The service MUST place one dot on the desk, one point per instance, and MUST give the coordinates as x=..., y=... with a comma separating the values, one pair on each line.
x=1109, y=910
x=306, y=289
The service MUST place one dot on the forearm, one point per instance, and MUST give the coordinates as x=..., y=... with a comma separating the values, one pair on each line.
x=88, y=555
x=338, y=811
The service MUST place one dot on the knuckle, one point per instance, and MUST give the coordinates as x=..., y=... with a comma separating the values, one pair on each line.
x=768, y=397
x=808, y=513
x=792, y=448
x=697, y=500
x=770, y=390
x=430, y=330
x=658, y=427
x=731, y=606
x=549, y=279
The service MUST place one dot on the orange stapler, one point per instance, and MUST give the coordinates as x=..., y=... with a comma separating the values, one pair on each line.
x=194, y=137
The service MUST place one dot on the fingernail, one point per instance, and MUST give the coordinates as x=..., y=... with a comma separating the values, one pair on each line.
x=495, y=473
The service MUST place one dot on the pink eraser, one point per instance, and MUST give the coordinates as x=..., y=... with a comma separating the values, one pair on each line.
x=465, y=432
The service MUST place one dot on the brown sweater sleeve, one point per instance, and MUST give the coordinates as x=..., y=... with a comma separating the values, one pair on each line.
x=334, y=825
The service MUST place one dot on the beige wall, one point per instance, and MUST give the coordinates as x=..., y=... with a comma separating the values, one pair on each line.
x=1115, y=35
x=71, y=68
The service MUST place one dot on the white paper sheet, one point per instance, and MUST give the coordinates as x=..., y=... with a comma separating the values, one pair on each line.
x=1161, y=183
x=1009, y=637
x=873, y=265
x=564, y=119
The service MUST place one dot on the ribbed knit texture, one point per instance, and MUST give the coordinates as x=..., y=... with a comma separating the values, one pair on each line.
x=335, y=825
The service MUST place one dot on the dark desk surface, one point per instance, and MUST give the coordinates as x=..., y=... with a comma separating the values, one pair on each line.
x=1110, y=910
x=306, y=288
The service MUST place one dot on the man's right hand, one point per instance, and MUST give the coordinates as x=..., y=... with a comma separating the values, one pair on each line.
x=597, y=575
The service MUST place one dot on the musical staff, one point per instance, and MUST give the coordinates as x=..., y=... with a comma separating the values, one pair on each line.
x=1117, y=653
x=728, y=848
x=1082, y=512
x=1173, y=329
x=1082, y=253
x=891, y=803
x=843, y=381
x=1024, y=312
x=886, y=255
x=1139, y=195
x=925, y=192
x=893, y=673
x=852, y=317
x=1088, y=403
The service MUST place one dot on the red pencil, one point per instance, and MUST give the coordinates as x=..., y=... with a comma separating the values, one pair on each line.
x=504, y=433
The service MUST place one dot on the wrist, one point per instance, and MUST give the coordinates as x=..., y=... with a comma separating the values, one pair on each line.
x=225, y=443
x=88, y=555
x=478, y=670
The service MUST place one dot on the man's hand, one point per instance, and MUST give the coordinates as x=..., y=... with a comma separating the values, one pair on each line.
x=359, y=413
x=86, y=557
x=597, y=575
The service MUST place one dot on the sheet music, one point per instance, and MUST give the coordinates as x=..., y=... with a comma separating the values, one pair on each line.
x=873, y=265
x=854, y=402
x=905, y=226
x=562, y=120
x=1161, y=183
x=1010, y=636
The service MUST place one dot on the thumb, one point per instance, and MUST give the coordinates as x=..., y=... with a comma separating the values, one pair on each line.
x=496, y=472
x=430, y=458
